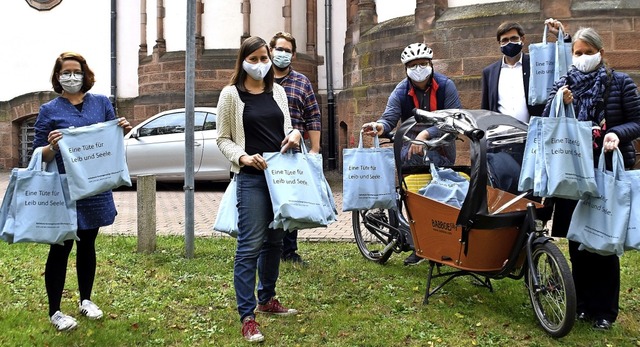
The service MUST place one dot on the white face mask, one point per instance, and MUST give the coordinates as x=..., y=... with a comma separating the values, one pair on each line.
x=257, y=71
x=71, y=84
x=587, y=63
x=419, y=73
x=282, y=59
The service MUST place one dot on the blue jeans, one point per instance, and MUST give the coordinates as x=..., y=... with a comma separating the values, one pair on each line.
x=259, y=247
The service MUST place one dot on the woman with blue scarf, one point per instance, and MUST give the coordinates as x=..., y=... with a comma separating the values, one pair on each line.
x=610, y=101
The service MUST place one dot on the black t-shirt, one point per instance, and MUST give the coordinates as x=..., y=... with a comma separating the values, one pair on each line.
x=263, y=123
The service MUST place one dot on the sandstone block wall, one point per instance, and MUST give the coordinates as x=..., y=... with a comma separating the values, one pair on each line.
x=464, y=42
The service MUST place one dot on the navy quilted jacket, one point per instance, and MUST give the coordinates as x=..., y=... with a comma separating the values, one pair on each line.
x=622, y=113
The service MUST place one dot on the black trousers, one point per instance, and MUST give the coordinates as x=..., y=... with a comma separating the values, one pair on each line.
x=290, y=243
x=596, y=277
x=55, y=272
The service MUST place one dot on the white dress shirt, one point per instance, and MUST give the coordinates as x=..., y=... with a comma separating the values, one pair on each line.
x=511, y=97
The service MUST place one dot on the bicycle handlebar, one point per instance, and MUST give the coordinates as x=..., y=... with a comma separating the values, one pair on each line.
x=456, y=122
x=445, y=139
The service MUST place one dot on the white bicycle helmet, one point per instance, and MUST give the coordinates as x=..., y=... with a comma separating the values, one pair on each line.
x=416, y=51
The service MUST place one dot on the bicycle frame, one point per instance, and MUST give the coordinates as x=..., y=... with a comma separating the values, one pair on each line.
x=493, y=235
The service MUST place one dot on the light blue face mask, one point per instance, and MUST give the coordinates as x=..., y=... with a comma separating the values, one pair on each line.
x=282, y=59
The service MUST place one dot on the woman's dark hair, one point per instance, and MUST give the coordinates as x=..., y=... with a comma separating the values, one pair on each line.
x=88, y=80
x=507, y=26
x=250, y=45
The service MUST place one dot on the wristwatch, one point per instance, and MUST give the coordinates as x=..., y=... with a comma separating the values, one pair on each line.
x=53, y=149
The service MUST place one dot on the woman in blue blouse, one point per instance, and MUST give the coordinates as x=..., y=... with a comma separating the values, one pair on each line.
x=72, y=78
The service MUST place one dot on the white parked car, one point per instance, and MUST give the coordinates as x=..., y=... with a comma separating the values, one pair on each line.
x=157, y=146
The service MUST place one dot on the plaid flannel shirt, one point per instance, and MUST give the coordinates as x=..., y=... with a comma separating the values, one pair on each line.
x=303, y=107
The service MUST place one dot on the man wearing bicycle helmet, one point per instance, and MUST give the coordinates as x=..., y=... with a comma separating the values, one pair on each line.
x=425, y=89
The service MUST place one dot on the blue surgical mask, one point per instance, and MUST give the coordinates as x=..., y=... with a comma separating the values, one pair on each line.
x=257, y=71
x=511, y=49
x=282, y=59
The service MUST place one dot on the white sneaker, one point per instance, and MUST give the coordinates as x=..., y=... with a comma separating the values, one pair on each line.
x=62, y=322
x=90, y=310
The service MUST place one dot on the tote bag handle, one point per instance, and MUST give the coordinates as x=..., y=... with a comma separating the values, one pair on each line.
x=376, y=141
x=561, y=110
x=617, y=163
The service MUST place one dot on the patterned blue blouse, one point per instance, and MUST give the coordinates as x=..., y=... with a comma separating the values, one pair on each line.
x=94, y=211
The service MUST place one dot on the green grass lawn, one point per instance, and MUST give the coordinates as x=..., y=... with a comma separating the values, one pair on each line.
x=163, y=299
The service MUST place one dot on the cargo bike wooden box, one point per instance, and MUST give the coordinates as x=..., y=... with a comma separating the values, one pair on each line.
x=497, y=233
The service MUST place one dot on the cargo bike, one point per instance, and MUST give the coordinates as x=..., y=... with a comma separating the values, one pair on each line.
x=498, y=232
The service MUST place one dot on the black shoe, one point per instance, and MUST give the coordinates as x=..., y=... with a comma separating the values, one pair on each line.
x=583, y=316
x=602, y=324
x=294, y=258
x=413, y=259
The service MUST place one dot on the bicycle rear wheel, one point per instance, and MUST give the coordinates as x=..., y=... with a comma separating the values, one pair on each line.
x=554, y=300
x=375, y=233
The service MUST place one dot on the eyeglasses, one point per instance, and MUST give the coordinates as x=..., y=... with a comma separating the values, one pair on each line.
x=415, y=66
x=282, y=49
x=514, y=39
x=66, y=75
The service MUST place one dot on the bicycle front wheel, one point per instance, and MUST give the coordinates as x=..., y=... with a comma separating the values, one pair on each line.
x=375, y=233
x=554, y=300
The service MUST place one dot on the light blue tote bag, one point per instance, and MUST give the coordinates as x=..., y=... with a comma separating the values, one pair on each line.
x=300, y=195
x=6, y=234
x=94, y=158
x=564, y=57
x=547, y=62
x=528, y=168
x=40, y=209
x=368, y=177
x=533, y=175
x=540, y=177
x=446, y=186
x=568, y=153
x=599, y=223
x=227, y=216
x=632, y=240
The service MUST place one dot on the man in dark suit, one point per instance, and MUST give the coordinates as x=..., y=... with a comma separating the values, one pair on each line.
x=505, y=83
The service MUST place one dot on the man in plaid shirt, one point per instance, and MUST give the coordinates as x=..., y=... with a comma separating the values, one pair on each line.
x=304, y=110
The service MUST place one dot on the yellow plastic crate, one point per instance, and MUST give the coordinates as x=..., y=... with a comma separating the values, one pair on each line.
x=417, y=181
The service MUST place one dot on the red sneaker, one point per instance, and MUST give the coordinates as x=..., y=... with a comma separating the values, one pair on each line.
x=274, y=306
x=250, y=330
